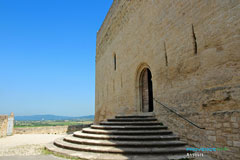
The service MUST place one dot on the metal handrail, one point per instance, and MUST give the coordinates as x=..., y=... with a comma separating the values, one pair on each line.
x=171, y=110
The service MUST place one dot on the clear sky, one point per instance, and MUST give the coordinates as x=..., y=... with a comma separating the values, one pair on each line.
x=47, y=55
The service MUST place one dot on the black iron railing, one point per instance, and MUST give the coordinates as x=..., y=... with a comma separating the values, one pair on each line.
x=179, y=115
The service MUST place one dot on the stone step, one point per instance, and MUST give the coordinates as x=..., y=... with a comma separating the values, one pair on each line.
x=76, y=140
x=131, y=119
x=109, y=156
x=126, y=137
x=126, y=132
x=135, y=137
x=123, y=150
x=142, y=127
x=132, y=123
x=135, y=116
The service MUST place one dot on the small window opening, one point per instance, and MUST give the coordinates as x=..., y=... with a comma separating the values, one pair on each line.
x=115, y=62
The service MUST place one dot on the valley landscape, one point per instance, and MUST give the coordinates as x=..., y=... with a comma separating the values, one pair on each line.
x=51, y=120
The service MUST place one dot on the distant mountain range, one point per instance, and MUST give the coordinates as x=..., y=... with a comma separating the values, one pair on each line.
x=51, y=117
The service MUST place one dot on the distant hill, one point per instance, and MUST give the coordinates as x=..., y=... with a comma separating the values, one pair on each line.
x=51, y=117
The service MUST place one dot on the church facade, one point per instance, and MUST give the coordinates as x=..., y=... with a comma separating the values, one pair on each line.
x=183, y=54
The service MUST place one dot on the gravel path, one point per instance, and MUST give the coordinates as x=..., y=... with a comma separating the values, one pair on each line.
x=25, y=144
x=36, y=157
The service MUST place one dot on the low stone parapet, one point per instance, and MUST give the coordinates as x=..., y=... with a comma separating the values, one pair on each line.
x=49, y=129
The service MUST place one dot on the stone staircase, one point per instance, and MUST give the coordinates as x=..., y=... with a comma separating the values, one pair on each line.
x=136, y=137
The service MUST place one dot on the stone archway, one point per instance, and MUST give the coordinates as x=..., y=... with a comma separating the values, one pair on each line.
x=146, y=91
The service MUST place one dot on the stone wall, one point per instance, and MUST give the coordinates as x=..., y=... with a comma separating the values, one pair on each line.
x=3, y=125
x=10, y=128
x=49, y=129
x=192, y=50
x=222, y=130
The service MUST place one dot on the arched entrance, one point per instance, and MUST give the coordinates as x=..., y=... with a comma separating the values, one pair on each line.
x=146, y=91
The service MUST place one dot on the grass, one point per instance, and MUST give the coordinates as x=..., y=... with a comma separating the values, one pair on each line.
x=47, y=152
x=20, y=124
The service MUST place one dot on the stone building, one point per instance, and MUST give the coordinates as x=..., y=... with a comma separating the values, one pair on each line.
x=3, y=125
x=6, y=125
x=184, y=54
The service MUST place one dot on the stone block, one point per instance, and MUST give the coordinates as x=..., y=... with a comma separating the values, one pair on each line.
x=219, y=132
x=212, y=138
x=235, y=125
x=218, y=125
x=229, y=143
x=226, y=124
x=221, y=140
x=212, y=133
x=233, y=119
x=236, y=144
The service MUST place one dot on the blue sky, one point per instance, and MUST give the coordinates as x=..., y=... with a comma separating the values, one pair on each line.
x=47, y=55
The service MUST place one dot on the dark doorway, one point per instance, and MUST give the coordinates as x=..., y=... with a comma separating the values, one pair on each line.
x=146, y=91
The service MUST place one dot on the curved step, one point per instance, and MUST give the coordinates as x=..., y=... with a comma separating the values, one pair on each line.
x=132, y=123
x=124, y=137
x=76, y=140
x=135, y=116
x=108, y=127
x=123, y=150
x=135, y=137
x=126, y=132
x=131, y=119
x=108, y=156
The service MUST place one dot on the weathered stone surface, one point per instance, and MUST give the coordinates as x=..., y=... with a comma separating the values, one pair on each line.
x=212, y=138
x=125, y=132
x=3, y=125
x=149, y=127
x=125, y=137
x=107, y=156
x=132, y=123
x=124, y=150
x=123, y=143
x=226, y=125
x=50, y=129
x=6, y=125
x=235, y=125
x=236, y=143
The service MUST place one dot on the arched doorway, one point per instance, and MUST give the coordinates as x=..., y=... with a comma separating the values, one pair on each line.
x=146, y=91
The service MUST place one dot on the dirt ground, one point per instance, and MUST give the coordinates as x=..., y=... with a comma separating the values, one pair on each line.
x=35, y=157
x=25, y=144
